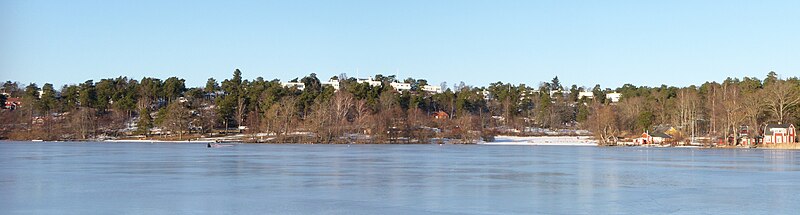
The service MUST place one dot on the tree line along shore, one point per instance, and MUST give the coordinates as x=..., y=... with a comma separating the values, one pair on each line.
x=385, y=109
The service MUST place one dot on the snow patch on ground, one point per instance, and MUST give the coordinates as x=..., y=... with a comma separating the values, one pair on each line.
x=543, y=141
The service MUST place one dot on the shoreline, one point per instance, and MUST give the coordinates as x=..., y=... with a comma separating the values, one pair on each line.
x=501, y=140
x=158, y=141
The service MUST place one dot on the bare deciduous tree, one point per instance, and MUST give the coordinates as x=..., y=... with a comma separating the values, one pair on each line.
x=629, y=110
x=752, y=108
x=604, y=123
x=781, y=98
x=282, y=114
x=732, y=114
x=83, y=121
x=177, y=119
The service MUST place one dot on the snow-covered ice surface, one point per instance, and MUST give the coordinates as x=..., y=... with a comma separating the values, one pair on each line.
x=159, y=141
x=101, y=178
x=543, y=141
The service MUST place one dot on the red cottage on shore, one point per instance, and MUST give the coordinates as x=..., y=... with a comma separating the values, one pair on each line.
x=779, y=133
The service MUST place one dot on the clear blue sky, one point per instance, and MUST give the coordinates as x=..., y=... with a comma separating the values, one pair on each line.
x=478, y=42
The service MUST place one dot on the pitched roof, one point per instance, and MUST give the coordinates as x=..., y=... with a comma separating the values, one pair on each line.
x=661, y=131
x=660, y=134
x=768, y=129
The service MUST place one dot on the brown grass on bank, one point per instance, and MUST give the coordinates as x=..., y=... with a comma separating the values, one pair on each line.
x=783, y=146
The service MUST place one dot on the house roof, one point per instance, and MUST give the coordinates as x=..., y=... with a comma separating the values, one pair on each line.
x=661, y=131
x=768, y=129
x=660, y=134
x=656, y=134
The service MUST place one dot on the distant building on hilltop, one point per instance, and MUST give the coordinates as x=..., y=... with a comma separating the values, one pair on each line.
x=336, y=84
x=333, y=83
x=586, y=94
x=487, y=95
x=557, y=94
x=614, y=97
x=401, y=86
x=298, y=85
x=432, y=89
x=371, y=82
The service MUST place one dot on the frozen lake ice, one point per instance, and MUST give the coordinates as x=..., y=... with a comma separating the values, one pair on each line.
x=169, y=178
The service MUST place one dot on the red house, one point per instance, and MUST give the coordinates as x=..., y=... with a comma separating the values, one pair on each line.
x=441, y=115
x=12, y=103
x=779, y=133
x=654, y=138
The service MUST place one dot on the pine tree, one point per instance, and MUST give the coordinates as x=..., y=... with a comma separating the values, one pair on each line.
x=145, y=122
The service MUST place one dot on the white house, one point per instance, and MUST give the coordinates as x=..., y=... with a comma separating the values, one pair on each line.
x=587, y=94
x=300, y=86
x=371, y=82
x=401, y=86
x=332, y=83
x=486, y=95
x=558, y=93
x=432, y=89
x=614, y=97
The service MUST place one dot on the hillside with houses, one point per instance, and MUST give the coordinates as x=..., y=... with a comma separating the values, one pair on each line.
x=745, y=112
